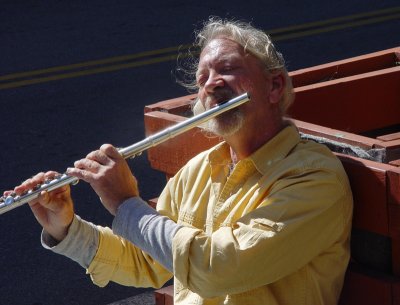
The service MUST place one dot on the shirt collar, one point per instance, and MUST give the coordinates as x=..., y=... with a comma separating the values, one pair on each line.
x=275, y=149
x=220, y=154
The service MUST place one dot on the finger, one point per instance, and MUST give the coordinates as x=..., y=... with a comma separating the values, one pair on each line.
x=98, y=156
x=44, y=199
x=80, y=174
x=59, y=191
x=7, y=193
x=110, y=151
x=51, y=175
x=30, y=183
x=87, y=164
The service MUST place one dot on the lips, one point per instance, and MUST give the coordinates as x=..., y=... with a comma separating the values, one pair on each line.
x=219, y=97
x=222, y=99
x=215, y=102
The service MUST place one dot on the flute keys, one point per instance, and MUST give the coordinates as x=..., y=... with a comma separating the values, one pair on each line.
x=47, y=181
x=9, y=200
x=35, y=188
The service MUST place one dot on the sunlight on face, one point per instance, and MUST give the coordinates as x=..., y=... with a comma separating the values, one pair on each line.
x=223, y=73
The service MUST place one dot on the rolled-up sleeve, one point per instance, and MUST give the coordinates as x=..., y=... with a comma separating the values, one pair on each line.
x=120, y=261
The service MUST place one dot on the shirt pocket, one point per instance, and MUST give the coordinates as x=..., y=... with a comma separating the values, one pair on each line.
x=267, y=225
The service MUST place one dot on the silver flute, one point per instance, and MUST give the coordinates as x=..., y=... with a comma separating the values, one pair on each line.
x=13, y=201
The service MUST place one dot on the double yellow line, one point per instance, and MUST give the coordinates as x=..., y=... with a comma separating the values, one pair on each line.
x=167, y=54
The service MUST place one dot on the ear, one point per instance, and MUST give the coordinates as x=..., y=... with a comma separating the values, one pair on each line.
x=277, y=86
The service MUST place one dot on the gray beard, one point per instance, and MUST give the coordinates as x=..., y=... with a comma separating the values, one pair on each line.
x=226, y=124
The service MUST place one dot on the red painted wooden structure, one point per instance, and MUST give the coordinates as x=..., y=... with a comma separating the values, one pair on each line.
x=352, y=102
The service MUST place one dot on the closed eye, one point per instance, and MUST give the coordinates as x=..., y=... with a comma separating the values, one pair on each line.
x=226, y=69
x=201, y=81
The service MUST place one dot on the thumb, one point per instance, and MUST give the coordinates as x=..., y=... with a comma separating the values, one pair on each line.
x=110, y=151
x=44, y=199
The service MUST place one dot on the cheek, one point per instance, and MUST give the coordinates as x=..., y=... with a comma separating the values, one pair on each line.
x=240, y=84
x=247, y=85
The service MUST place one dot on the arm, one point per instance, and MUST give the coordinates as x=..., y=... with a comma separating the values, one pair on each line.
x=107, y=257
x=117, y=259
x=80, y=244
x=86, y=243
x=147, y=229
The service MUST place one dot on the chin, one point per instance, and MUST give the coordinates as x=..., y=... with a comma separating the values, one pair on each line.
x=226, y=124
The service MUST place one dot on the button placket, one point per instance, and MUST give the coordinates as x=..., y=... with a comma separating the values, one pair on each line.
x=233, y=183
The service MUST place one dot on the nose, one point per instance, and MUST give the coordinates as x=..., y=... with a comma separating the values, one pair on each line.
x=214, y=81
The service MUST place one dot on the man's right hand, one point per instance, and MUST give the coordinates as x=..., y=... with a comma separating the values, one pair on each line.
x=53, y=210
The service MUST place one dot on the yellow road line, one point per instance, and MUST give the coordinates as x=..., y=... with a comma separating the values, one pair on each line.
x=88, y=63
x=87, y=72
x=122, y=62
x=336, y=27
x=391, y=10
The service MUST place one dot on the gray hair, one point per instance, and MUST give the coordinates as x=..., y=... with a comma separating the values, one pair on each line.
x=253, y=41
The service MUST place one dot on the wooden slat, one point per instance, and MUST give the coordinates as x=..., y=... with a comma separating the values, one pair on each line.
x=368, y=184
x=171, y=155
x=390, y=137
x=365, y=288
x=347, y=67
x=351, y=104
x=175, y=106
x=165, y=295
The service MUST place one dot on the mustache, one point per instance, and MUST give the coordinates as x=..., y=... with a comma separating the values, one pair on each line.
x=220, y=95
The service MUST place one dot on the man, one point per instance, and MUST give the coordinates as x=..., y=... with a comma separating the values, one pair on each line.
x=262, y=218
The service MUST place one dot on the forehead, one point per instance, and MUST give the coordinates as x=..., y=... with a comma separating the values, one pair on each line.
x=220, y=49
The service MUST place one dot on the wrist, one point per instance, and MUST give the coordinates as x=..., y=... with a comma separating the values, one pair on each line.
x=60, y=232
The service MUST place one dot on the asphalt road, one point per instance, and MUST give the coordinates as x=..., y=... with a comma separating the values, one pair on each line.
x=76, y=74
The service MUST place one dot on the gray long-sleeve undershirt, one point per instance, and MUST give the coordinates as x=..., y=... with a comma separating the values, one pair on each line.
x=136, y=221
x=143, y=226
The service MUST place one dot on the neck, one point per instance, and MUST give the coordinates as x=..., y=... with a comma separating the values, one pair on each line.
x=243, y=144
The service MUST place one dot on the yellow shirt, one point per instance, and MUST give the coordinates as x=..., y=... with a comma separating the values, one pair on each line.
x=275, y=230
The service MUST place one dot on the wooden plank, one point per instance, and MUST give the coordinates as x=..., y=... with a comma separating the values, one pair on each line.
x=177, y=105
x=350, y=104
x=393, y=191
x=347, y=67
x=165, y=295
x=171, y=155
x=390, y=137
x=362, y=287
x=392, y=148
x=153, y=202
x=396, y=293
x=395, y=162
x=336, y=135
x=368, y=184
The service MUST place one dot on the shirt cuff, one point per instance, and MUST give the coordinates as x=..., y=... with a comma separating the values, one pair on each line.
x=80, y=244
x=143, y=226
